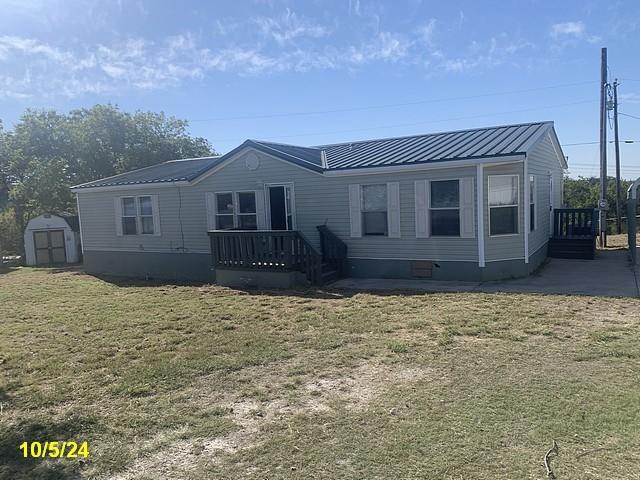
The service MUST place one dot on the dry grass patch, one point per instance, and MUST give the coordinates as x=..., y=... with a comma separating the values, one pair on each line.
x=207, y=382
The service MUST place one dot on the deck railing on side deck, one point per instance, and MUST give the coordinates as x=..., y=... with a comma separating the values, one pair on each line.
x=267, y=250
x=574, y=222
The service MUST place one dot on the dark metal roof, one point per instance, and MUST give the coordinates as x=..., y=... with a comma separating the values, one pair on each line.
x=312, y=155
x=434, y=147
x=171, y=171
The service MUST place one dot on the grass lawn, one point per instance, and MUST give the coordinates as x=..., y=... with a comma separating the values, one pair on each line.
x=192, y=382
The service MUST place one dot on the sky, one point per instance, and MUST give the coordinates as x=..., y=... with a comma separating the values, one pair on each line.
x=317, y=72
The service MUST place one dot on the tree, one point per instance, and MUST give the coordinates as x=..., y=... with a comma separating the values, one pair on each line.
x=47, y=152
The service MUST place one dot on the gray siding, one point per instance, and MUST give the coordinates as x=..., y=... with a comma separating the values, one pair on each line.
x=543, y=163
x=504, y=247
x=318, y=200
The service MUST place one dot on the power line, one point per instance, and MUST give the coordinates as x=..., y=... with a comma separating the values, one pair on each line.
x=315, y=134
x=595, y=143
x=627, y=115
x=388, y=105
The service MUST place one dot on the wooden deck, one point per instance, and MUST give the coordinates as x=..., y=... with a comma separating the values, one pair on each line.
x=280, y=251
x=574, y=233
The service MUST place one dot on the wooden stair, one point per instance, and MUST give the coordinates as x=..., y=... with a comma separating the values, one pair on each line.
x=583, y=247
x=574, y=233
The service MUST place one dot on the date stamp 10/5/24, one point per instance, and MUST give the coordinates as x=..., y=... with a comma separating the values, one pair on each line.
x=54, y=449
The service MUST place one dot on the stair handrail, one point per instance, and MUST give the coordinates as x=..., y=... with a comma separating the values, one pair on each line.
x=334, y=250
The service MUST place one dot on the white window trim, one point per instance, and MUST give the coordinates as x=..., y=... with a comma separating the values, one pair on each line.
x=533, y=191
x=235, y=201
x=141, y=216
x=517, y=205
x=236, y=211
x=138, y=216
x=267, y=200
x=429, y=208
x=233, y=209
x=363, y=211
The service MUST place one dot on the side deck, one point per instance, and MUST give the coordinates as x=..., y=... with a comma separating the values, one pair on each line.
x=574, y=233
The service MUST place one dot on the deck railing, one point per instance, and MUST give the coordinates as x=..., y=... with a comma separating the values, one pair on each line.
x=574, y=222
x=267, y=250
x=334, y=250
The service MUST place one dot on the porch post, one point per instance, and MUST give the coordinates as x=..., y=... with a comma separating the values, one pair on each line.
x=527, y=210
x=480, y=210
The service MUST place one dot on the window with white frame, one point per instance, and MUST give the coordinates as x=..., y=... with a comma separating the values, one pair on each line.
x=145, y=213
x=247, y=216
x=137, y=215
x=374, y=209
x=444, y=208
x=224, y=211
x=532, y=203
x=129, y=217
x=236, y=210
x=503, y=204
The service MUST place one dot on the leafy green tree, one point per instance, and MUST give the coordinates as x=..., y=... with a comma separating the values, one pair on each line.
x=47, y=152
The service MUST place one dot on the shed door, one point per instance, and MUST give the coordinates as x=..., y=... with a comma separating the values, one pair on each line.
x=49, y=247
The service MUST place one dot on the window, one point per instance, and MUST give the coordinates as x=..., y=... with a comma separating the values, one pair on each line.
x=236, y=211
x=444, y=208
x=532, y=203
x=374, y=209
x=224, y=211
x=247, y=219
x=145, y=211
x=129, y=218
x=503, y=204
x=137, y=215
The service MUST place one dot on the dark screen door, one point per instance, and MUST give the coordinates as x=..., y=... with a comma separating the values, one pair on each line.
x=278, y=208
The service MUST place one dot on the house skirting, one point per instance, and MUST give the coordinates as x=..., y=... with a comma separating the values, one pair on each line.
x=448, y=270
x=197, y=267
x=150, y=265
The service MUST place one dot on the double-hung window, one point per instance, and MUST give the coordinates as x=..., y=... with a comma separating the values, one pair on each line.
x=374, y=209
x=444, y=208
x=236, y=210
x=137, y=215
x=129, y=217
x=247, y=218
x=532, y=203
x=224, y=211
x=503, y=204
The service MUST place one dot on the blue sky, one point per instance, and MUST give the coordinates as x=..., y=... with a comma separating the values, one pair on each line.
x=317, y=72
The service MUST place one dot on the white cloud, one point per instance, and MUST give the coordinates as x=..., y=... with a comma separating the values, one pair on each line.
x=572, y=30
x=427, y=30
x=289, y=26
x=576, y=29
x=284, y=42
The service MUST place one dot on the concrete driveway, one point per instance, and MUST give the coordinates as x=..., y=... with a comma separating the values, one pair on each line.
x=610, y=274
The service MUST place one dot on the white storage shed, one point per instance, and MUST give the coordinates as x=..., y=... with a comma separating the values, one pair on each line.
x=52, y=240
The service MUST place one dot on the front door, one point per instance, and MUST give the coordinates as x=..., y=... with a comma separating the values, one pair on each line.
x=49, y=247
x=280, y=207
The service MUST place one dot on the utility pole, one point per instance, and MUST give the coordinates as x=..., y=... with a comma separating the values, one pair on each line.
x=617, y=144
x=602, y=204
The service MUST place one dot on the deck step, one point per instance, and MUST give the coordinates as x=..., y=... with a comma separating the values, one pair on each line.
x=583, y=248
x=329, y=276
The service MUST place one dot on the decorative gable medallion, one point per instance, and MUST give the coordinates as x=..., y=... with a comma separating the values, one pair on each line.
x=251, y=161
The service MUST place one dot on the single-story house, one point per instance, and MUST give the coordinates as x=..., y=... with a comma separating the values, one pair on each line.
x=467, y=205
